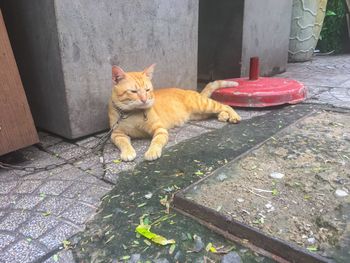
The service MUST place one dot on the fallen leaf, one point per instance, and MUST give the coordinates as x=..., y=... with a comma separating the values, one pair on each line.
x=312, y=249
x=47, y=213
x=172, y=249
x=144, y=230
x=117, y=161
x=55, y=258
x=211, y=248
x=198, y=173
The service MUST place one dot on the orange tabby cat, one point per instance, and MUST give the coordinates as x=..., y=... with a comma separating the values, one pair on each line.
x=137, y=111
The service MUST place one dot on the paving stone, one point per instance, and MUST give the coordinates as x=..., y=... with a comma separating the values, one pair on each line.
x=38, y=225
x=54, y=187
x=75, y=190
x=6, y=187
x=66, y=150
x=47, y=139
x=345, y=84
x=22, y=252
x=55, y=237
x=5, y=240
x=13, y=220
x=89, y=142
x=28, y=186
x=339, y=97
x=92, y=165
x=37, y=158
x=74, y=174
x=113, y=170
x=48, y=174
x=94, y=194
x=102, y=134
x=7, y=201
x=55, y=205
x=64, y=256
x=328, y=80
x=312, y=90
x=7, y=175
x=27, y=202
x=78, y=213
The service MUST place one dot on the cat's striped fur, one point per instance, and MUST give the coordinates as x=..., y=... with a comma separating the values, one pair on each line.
x=133, y=95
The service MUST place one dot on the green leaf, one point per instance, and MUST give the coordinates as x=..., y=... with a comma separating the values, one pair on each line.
x=172, y=249
x=55, y=258
x=125, y=257
x=145, y=230
x=274, y=192
x=312, y=249
x=47, y=213
x=142, y=205
x=211, y=248
x=147, y=242
x=330, y=13
x=108, y=216
x=66, y=244
x=198, y=173
x=117, y=161
x=109, y=239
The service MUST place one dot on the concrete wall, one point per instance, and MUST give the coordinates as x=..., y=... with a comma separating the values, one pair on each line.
x=220, y=39
x=66, y=50
x=230, y=32
x=266, y=29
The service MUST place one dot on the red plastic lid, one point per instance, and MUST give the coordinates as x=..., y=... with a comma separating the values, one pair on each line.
x=263, y=92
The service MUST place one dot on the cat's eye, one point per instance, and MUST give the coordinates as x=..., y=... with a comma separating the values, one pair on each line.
x=147, y=90
x=133, y=91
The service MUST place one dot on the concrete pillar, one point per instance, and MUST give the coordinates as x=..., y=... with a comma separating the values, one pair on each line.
x=65, y=49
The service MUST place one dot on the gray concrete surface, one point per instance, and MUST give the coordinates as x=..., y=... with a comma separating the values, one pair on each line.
x=40, y=210
x=65, y=51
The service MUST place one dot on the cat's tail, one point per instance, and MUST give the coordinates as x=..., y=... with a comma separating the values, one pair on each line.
x=212, y=86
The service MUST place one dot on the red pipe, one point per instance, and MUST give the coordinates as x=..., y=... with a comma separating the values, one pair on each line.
x=254, y=68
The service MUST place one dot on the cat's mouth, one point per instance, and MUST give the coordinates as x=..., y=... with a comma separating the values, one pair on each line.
x=146, y=105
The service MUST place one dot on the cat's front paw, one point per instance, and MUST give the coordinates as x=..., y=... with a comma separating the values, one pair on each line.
x=153, y=154
x=231, y=117
x=128, y=156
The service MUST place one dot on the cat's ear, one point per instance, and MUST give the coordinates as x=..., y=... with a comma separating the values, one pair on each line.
x=117, y=74
x=149, y=71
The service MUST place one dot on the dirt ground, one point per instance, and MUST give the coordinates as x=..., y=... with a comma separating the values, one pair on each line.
x=310, y=205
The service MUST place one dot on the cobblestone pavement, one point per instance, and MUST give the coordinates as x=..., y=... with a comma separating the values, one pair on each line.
x=40, y=211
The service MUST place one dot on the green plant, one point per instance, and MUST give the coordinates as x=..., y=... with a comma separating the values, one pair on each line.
x=334, y=31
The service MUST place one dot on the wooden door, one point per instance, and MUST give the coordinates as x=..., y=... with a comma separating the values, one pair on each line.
x=17, y=128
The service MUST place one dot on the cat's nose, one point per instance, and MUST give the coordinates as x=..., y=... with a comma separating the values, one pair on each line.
x=143, y=99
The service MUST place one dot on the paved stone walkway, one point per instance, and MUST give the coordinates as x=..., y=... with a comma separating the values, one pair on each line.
x=40, y=211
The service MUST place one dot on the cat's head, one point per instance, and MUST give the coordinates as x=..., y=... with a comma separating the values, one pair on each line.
x=133, y=90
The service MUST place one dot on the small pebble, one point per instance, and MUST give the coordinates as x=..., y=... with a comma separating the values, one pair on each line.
x=341, y=193
x=135, y=258
x=198, y=243
x=148, y=196
x=240, y=200
x=268, y=205
x=311, y=240
x=231, y=257
x=276, y=175
x=221, y=177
